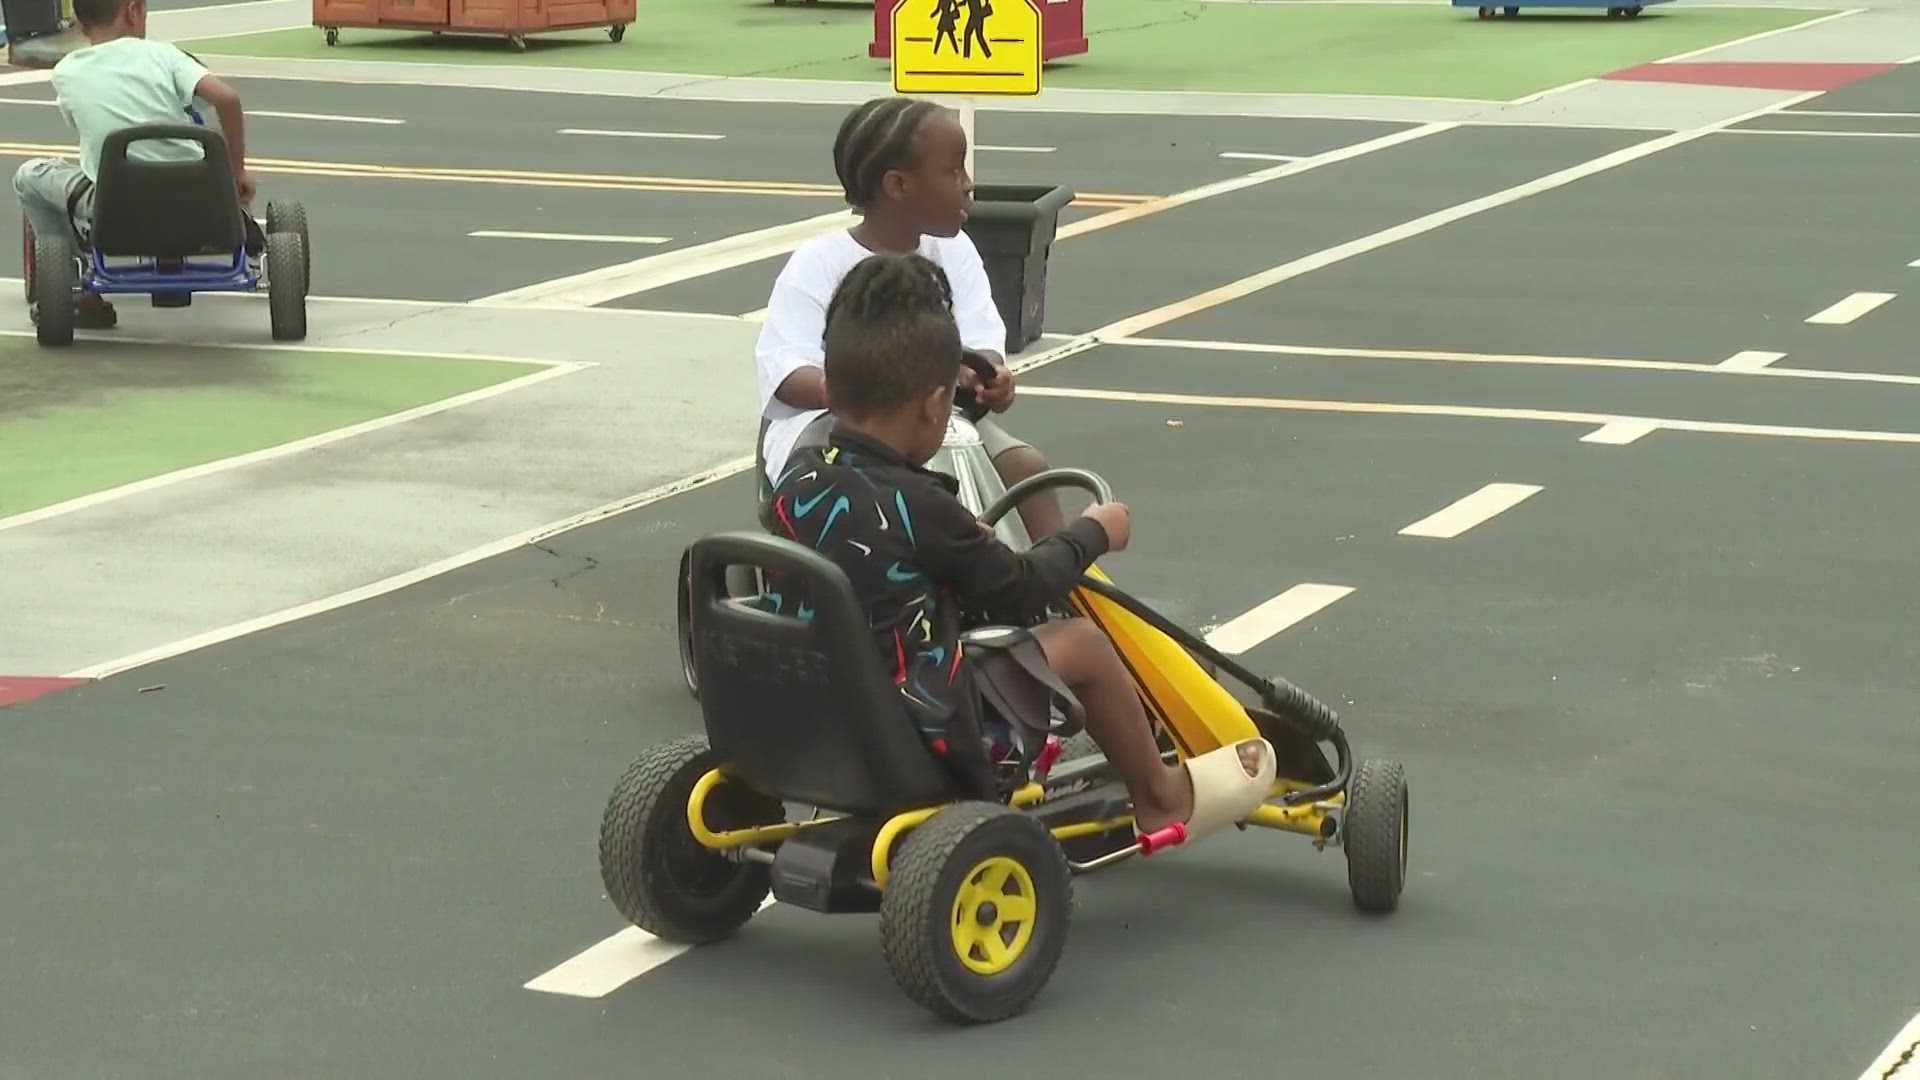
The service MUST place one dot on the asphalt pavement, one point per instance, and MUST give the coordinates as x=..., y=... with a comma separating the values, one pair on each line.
x=1657, y=716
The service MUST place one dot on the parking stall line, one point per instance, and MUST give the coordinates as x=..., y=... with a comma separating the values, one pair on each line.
x=1476, y=509
x=1849, y=308
x=1244, y=632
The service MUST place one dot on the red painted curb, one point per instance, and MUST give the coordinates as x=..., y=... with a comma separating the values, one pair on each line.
x=16, y=689
x=1754, y=76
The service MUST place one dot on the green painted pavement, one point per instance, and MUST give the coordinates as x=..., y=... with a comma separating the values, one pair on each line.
x=1420, y=50
x=94, y=417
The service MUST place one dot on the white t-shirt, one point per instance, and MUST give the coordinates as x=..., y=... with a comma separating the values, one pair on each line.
x=124, y=83
x=796, y=322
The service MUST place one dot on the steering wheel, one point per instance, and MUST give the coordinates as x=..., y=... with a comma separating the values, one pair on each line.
x=964, y=399
x=1091, y=483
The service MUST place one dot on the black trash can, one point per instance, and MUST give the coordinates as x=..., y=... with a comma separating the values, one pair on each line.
x=29, y=19
x=1013, y=226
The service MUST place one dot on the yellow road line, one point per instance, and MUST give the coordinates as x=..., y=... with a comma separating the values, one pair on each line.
x=531, y=178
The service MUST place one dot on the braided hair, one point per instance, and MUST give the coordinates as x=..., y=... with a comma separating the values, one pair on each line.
x=890, y=335
x=875, y=139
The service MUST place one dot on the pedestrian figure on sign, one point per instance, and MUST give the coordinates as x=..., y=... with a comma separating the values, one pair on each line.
x=948, y=14
x=977, y=13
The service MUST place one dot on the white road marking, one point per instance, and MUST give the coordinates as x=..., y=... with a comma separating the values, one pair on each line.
x=412, y=577
x=611, y=964
x=585, y=238
x=1815, y=133
x=1479, y=412
x=1437, y=356
x=1750, y=360
x=1244, y=632
x=990, y=148
x=1253, y=283
x=1849, y=308
x=1470, y=510
x=592, y=287
x=697, y=136
x=331, y=117
x=1620, y=432
x=756, y=315
x=607, y=283
x=1901, y=1059
x=1845, y=112
x=548, y=369
x=1248, y=155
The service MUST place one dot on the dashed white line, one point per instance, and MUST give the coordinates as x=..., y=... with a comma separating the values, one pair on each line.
x=1470, y=510
x=613, y=133
x=611, y=964
x=1620, y=433
x=1248, y=155
x=1750, y=360
x=1848, y=309
x=584, y=238
x=1246, y=631
x=1016, y=149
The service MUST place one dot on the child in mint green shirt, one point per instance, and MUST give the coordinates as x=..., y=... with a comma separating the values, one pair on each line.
x=120, y=80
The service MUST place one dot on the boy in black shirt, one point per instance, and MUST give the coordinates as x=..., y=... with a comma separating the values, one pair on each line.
x=917, y=557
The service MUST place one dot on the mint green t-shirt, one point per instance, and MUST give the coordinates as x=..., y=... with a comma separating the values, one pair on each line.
x=124, y=83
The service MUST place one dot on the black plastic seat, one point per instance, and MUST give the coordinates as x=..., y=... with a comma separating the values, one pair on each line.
x=166, y=209
x=796, y=701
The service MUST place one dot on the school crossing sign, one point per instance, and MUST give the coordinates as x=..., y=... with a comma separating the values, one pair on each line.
x=967, y=47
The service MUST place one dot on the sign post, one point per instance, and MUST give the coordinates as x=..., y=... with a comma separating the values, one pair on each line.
x=967, y=49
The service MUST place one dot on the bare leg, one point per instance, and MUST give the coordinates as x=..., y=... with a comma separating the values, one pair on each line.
x=1040, y=513
x=1084, y=659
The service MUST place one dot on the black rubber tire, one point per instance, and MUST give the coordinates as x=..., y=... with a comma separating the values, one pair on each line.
x=26, y=256
x=287, y=286
x=929, y=868
x=1375, y=835
x=654, y=871
x=56, y=287
x=684, y=626
x=617, y=33
x=292, y=217
x=333, y=36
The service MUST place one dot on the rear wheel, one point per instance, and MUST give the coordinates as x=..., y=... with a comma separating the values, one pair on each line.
x=975, y=913
x=26, y=254
x=658, y=876
x=287, y=286
x=56, y=290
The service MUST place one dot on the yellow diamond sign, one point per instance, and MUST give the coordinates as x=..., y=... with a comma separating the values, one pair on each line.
x=964, y=47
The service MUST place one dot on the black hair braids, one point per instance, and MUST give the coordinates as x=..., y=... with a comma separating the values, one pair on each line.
x=890, y=335
x=875, y=138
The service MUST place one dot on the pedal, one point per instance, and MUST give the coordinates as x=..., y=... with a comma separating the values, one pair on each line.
x=1160, y=839
x=1048, y=757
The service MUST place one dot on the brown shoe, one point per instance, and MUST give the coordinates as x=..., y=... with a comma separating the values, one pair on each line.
x=94, y=313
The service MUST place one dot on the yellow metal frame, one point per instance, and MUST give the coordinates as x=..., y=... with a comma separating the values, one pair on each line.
x=1196, y=711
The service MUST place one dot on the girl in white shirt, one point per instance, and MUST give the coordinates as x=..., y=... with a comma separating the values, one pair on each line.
x=902, y=164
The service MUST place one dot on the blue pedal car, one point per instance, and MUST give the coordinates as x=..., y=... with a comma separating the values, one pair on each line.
x=171, y=229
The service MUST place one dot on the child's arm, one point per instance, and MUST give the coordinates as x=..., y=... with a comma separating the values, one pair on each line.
x=986, y=574
x=788, y=354
x=981, y=328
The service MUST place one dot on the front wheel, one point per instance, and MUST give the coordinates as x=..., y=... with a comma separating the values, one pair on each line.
x=1375, y=835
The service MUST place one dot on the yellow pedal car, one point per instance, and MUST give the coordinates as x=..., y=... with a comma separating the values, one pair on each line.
x=974, y=888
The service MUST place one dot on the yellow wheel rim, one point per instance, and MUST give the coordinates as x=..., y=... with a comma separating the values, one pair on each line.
x=993, y=915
